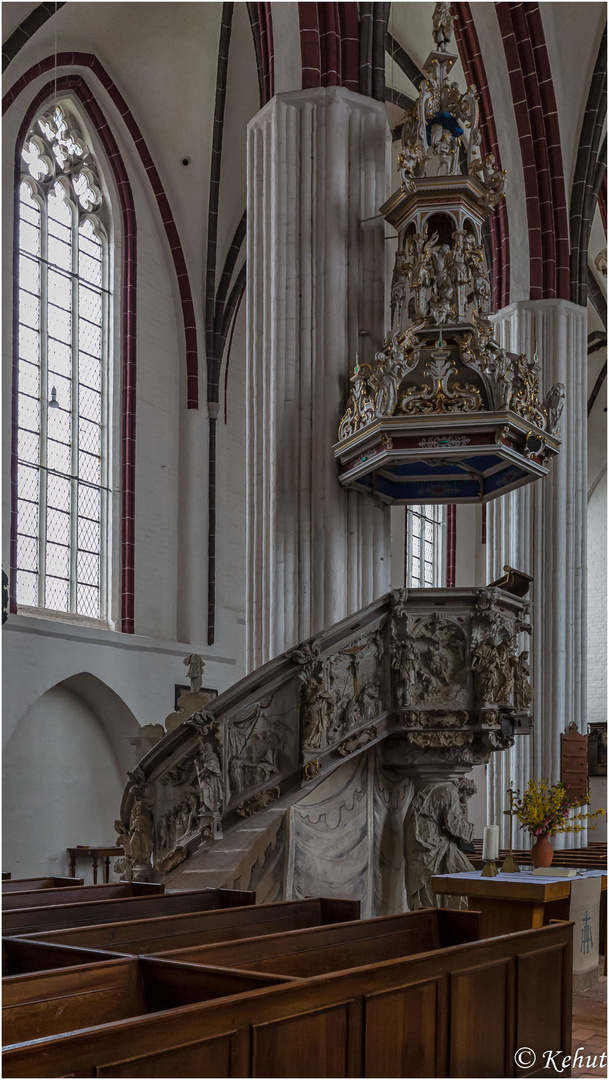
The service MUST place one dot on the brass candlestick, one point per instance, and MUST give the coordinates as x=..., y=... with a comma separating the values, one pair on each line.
x=510, y=866
x=490, y=868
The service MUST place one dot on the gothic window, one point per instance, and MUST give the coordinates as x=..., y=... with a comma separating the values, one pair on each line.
x=425, y=547
x=63, y=373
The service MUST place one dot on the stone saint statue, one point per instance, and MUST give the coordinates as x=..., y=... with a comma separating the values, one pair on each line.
x=435, y=822
x=209, y=775
x=523, y=694
x=195, y=665
x=137, y=840
x=319, y=705
x=442, y=26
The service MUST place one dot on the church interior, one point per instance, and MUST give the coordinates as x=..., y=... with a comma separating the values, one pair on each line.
x=304, y=538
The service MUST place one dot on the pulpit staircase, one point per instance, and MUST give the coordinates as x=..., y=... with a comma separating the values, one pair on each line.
x=296, y=779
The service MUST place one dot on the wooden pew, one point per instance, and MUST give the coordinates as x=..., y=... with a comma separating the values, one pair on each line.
x=401, y=1017
x=55, y=1002
x=319, y=950
x=22, y=884
x=157, y=935
x=22, y=921
x=20, y=956
x=38, y=897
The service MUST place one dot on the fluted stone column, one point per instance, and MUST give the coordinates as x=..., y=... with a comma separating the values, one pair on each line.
x=318, y=168
x=541, y=529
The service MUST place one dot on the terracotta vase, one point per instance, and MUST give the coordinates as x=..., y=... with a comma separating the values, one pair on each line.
x=542, y=852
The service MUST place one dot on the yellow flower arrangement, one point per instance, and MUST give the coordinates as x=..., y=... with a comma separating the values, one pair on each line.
x=544, y=810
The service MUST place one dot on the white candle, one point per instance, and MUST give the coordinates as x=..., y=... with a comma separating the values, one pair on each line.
x=490, y=843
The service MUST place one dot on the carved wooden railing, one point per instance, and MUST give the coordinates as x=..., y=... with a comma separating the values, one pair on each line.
x=438, y=672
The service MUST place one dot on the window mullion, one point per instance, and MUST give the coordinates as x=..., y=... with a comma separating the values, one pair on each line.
x=44, y=405
x=104, y=446
x=74, y=425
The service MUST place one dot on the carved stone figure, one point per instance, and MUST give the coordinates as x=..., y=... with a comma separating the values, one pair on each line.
x=137, y=839
x=209, y=775
x=523, y=694
x=435, y=822
x=484, y=666
x=553, y=406
x=442, y=26
x=318, y=709
x=195, y=665
x=407, y=662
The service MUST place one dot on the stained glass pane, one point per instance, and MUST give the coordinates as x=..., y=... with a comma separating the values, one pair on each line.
x=29, y=345
x=90, y=306
x=58, y=493
x=59, y=457
x=29, y=309
x=27, y=589
x=29, y=238
x=89, y=404
x=27, y=518
x=89, y=268
x=89, y=436
x=87, y=571
x=58, y=527
x=89, y=468
x=56, y=594
x=28, y=447
x=60, y=323
x=89, y=337
x=88, y=535
x=58, y=560
x=29, y=379
x=60, y=289
x=88, y=502
x=29, y=274
x=59, y=251
x=60, y=357
x=87, y=599
x=63, y=390
x=27, y=553
x=59, y=425
x=28, y=412
x=27, y=480
x=89, y=370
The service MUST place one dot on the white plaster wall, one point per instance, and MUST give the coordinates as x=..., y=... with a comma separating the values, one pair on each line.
x=597, y=603
x=61, y=785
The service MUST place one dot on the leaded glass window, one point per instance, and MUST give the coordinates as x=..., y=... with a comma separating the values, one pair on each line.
x=63, y=303
x=425, y=547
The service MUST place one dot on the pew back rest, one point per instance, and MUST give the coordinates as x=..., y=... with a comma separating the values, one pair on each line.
x=23, y=884
x=23, y=957
x=160, y=934
x=72, y=999
x=45, y=897
x=318, y=950
x=22, y=921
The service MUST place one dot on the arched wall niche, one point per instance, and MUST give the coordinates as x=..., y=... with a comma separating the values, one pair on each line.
x=63, y=774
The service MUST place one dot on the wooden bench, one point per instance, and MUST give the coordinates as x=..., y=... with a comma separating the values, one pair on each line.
x=22, y=884
x=65, y=895
x=408, y=1016
x=205, y=927
x=321, y=949
x=20, y=956
x=55, y=1002
x=55, y=916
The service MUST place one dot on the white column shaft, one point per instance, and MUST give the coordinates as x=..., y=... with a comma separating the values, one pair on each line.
x=317, y=167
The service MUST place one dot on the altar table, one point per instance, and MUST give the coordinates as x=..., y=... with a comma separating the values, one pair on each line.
x=511, y=902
